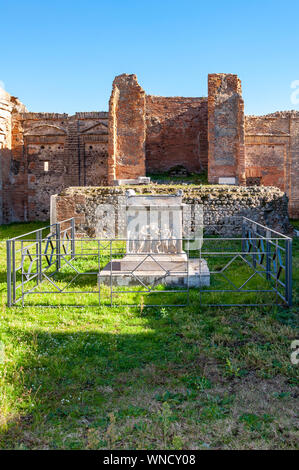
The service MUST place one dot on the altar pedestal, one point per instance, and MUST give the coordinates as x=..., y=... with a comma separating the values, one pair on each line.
x=154, y=246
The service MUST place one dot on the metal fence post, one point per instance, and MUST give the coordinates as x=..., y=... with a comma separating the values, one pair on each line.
x=40, y=260
x=14, y=278
x=254, y=228
x=8, y=263
x=243, y=237
x=37, y=257
x=73, y=237
x=288, y=273
x=58, y=260
x=268, y=254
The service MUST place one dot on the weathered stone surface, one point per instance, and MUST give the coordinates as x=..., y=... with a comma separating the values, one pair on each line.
x=176, y=133
x=223, y=206
x=194, y=273
x=74, y=147
x=13, y=165
x=43, y=153
x=126, y=147
x=272, y=153
x=225, y=128
x=139, y=180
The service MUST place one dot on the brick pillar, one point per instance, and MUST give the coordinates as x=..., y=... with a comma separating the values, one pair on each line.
x=294, y=167
x=226, y=132
x=126, y=130
x=5, y=147
x=13, y=164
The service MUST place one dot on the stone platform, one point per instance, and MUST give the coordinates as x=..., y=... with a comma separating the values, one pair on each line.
x=153, y=269
x=134, y=181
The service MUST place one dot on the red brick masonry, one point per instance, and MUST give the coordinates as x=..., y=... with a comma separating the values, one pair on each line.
x=43, y=153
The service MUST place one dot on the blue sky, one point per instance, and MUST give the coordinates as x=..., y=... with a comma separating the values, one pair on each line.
x=63, y=55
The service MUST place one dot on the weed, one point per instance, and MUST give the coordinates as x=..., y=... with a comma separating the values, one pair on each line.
x=92, y=438
x=231, y=370
x=177, y=443
x=255, y=422
x=170, y=397
x=165, y=416
x=216, y=407
x=111, y=432
x=199, y=383
x=141, y=305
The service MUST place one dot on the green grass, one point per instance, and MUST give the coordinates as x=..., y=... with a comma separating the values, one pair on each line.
x=295, y=223
x=146, y=378
x=193, y=178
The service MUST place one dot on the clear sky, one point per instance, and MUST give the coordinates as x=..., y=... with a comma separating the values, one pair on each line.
x=63, y=55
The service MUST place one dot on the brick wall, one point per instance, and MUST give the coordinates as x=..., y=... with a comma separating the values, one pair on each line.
x=6, y=107
x=272, y=153
x=43, y=153
x=13, y=165
x=49, y=152
x=225, y=128
x=126, y=129
x=176, y=133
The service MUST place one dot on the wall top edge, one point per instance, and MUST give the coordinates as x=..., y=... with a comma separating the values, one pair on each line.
x=177, y=98
x=79, y=115
x=278, y=114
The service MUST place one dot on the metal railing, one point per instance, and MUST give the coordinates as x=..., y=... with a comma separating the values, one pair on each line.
x=144, y=282
x=264, y=254
x=31, y=256
x=255, y=266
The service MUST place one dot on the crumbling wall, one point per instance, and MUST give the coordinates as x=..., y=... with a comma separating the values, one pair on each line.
x=223, y=206
x=43, y=153
x=5, y=138
x=272, y=153
x=6, y=107
x=225, y=128
x=13, y=186
x=176, y=133
x=126, y=147
x=63, y=151
x=49, y=152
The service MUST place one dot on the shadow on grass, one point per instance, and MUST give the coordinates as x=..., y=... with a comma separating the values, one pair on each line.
x=67, y=378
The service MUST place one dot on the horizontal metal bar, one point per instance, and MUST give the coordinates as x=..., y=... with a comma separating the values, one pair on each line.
x=39, y=229
x=186, y=239
x=97, y=305
x=230, y=253
x=237, y=290
x=241, y=305
x=119, y=253
x=149, y=291
x=146, y=305
x=62, y=292
x=57, y=306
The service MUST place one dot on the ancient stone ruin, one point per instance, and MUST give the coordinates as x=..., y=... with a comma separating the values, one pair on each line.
x=96, y=209
x=42, y=154
x=154, y=231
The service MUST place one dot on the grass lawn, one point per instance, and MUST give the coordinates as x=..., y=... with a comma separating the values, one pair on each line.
x=147, y=378
x=193, y=178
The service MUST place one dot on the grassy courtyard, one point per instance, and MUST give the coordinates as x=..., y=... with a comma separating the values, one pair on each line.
x=146, y=378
